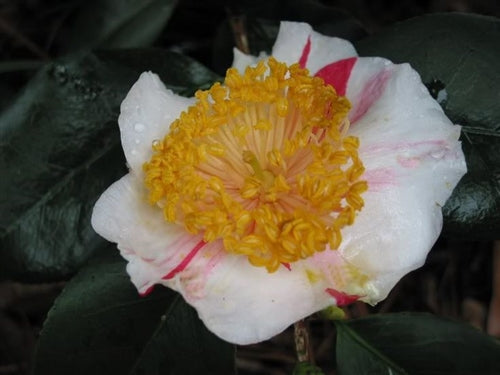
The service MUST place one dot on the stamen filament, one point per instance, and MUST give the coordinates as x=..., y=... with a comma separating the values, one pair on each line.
x=263, y=163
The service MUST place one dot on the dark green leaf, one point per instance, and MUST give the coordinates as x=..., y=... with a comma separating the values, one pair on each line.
x=119, y=23
x=306, y=368
x=262, y=19
x=99, y=325
x=17, y=65
x=459, y=54
x=413, y=343
x=60, y=150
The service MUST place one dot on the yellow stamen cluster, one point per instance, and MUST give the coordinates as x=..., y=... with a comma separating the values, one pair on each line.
x=263, y=163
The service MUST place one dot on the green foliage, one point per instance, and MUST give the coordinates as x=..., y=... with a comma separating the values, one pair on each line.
x=61, y=149
x=306, y=368
x=100, y=325
x=413, y=343
x=119, y=23
x=84, y=25
x=458, y=53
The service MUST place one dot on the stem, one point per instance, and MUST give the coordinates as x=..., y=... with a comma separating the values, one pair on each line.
x=302, y=342
x=238, y=26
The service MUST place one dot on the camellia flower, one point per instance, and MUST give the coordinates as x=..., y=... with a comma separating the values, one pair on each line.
x=307, y=179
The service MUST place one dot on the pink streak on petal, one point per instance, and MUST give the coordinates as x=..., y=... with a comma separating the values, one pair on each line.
x=195, y=278
x=305, y=54
x=394, y=147
x=215, y=258
x=182, y=243
x=184, y=263
x=147, y=291
x=287, y=266
x=372, y=90
x=342, y=298
x=337, y=74
x=409, y=163
x=380, y=178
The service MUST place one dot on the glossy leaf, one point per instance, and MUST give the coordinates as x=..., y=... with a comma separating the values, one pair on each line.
x=262, y=21
x=458, y=57
x=413, y=343
x=100, y=325
x=119, y=23
x=61, y=149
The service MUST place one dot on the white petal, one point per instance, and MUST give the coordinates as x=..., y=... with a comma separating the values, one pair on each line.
x=152, y=246
x=292, y=39
x=241, y=60
x=244, y=304
x=413, y=161
x=366, y=83
x=146, y=114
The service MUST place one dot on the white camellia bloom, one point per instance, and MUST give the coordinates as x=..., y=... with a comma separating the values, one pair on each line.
x=273, y=195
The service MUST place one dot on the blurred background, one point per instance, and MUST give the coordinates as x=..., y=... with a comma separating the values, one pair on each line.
x=460, y=278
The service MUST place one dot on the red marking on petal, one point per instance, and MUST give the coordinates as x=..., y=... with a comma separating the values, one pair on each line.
x=305, y=54
x=342, y=298
x=287, y=266
x=147, y=291
x=184, y=263
x=337, y=74
x=372, y=90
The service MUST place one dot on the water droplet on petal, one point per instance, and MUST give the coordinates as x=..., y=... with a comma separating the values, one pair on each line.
x=133, y=152
x=137, y=141
x=442, y=96
x=438, y=154
x=139, y=128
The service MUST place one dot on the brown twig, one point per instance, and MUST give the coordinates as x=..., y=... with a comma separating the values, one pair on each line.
x=10, y=30
x=302, y=342
x=494, y=311
x=238, y=26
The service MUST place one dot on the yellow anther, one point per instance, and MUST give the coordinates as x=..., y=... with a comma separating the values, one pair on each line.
x=263, y=163
x=282, y=107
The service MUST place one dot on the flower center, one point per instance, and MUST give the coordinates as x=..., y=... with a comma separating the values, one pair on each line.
x=263, y=163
